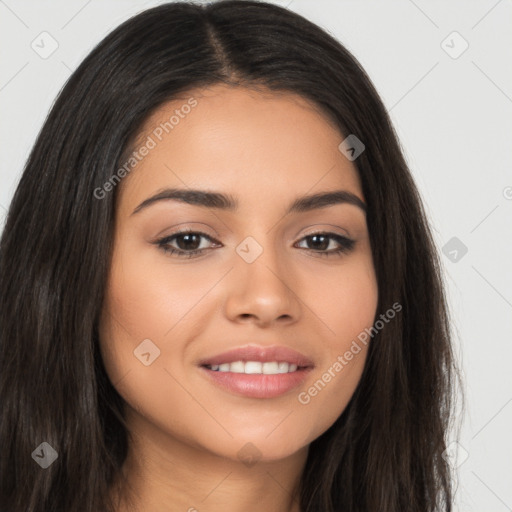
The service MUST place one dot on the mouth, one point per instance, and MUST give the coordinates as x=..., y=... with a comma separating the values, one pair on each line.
x=256, y=367
x=257, y=372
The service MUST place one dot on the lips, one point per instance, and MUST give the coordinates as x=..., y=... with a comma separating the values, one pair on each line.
x=255, y=384
x=261, y=354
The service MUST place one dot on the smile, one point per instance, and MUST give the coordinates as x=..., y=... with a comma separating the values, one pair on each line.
x=255, y=367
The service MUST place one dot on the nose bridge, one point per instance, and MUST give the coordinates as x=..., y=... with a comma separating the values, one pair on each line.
x=262, y=281
x=261, y=256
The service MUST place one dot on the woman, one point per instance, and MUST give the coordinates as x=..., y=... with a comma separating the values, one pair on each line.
x=219, y=290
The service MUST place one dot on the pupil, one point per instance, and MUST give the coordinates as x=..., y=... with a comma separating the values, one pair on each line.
x=187, y=242
x=323, y=245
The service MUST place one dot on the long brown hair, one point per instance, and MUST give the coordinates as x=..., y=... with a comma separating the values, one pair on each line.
x=385, y=451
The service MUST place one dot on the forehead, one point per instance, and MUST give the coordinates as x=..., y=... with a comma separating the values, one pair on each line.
x=241, y=140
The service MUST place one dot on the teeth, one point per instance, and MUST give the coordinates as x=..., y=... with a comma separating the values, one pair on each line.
x=271, y=368
x=255, y=367
x=237, y=367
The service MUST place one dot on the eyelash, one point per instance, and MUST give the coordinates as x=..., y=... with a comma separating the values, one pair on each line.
x=346, y=244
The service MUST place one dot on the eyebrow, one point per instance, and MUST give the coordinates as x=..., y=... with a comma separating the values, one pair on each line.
x=227, y=202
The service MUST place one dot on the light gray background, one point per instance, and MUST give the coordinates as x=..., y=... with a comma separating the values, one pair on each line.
x=453, y=116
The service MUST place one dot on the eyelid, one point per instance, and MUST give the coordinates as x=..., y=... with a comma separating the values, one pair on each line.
x=318, y=230
x=190, y=227
x=185, y=231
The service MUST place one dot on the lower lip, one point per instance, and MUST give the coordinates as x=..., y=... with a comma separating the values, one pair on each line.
x=257, y=385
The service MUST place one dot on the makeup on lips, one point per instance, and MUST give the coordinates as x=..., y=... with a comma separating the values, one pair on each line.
x=257, y=371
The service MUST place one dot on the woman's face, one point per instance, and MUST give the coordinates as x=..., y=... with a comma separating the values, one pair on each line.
x=263, y=279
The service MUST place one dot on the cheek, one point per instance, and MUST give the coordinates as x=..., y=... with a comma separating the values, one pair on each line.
x=352, y=305
x=148, y=308
x=346, y=301
x=150, y=298
x=348, y=309
x=147, y=299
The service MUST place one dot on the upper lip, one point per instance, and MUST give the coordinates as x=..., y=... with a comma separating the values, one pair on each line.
x=259, y=353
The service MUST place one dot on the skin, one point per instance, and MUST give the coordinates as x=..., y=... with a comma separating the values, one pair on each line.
x=265, y=149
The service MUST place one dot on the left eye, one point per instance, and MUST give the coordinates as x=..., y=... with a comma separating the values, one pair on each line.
x=323, y=240
x=189, y=243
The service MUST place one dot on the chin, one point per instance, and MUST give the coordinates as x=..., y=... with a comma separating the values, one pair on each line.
x=252, y=449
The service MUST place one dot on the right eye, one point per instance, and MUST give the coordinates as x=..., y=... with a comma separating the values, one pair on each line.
x=190, y=242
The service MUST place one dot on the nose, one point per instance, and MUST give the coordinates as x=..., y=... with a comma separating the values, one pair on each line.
x=262, y=292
